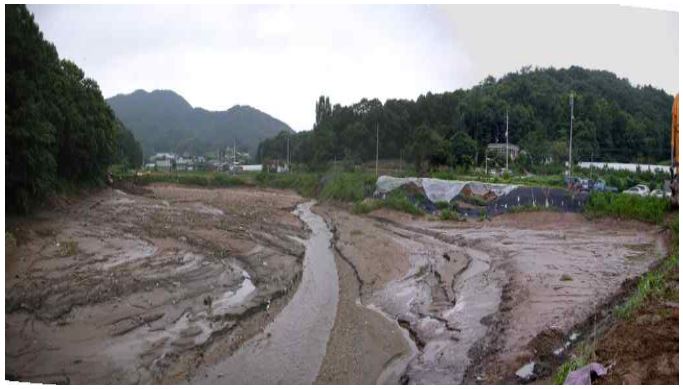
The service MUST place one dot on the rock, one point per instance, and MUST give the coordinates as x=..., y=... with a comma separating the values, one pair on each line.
x=526, y=372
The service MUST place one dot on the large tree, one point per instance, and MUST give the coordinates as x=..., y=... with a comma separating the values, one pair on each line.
x=58, y=127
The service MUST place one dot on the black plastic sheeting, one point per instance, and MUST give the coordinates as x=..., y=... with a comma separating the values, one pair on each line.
x=552, y=199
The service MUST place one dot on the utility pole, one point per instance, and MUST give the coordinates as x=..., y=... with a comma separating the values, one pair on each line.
x=571, y=130
x=234, y=157
x=377, y=151
x=400, y=162
x=507, y=145
x=289, y=168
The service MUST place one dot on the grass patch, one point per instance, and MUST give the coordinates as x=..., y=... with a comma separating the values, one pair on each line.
x=348, y=187
x=450, y=214
x=68, y=248
x=399, y=201
x=653, y=284
x=626, y=206
x=305, y=184
x=206, y=179
x=576, y=361
x=533, y=180
x=367, y=206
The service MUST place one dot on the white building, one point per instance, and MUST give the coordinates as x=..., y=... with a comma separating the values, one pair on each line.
x=632, y=167
x=500, y=149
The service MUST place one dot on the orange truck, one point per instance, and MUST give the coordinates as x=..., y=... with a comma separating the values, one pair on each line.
x=674, y=153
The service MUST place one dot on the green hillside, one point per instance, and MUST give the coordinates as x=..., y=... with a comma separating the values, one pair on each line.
x=614, y=121
x=165, y=122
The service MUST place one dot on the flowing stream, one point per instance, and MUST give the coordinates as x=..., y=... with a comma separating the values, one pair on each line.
x=291, y=349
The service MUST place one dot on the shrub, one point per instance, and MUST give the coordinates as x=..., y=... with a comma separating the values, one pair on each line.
x=366, y=206
x=442, y=205
x=449, y=214
x=306, y=184
x=399, y=201
x=648, y=209
x=348, y=187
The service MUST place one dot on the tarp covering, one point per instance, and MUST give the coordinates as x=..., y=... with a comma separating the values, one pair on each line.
x=499, y=198
x=438, y=190
x=442, y=190
x=386, y=184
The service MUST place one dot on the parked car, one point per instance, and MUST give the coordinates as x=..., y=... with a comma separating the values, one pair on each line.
x=584, y=185
x=576, y=183
x=639, y=190
x=657, y=193
x=600, y=186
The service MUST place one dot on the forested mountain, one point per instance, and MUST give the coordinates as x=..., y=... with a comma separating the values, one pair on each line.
x=614, y=121
x=164, y=122
x=58, y=128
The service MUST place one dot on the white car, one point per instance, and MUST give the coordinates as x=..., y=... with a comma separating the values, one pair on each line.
x=639, y=190
x=660, y=194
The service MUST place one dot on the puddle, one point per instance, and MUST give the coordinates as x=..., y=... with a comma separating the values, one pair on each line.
x=233, y=299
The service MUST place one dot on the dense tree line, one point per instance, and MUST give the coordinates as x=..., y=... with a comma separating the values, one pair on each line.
x=614, y=121
x=58, y=128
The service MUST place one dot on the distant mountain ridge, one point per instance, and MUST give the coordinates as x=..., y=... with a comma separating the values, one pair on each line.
x=163, y=121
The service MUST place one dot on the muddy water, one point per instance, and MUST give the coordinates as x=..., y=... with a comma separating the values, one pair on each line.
x=290, y=350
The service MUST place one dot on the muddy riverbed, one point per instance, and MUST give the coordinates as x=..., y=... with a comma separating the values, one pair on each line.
x=122, y=288
x=291, y=348
x=473, y=296
x=190, y=285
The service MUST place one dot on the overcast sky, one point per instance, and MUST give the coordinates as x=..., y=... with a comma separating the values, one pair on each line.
x=279, y=59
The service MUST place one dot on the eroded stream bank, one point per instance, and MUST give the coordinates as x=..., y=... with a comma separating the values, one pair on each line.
x=484, y=291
